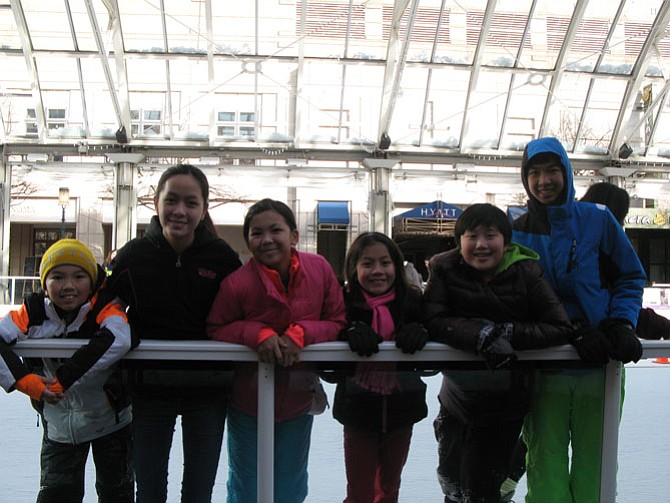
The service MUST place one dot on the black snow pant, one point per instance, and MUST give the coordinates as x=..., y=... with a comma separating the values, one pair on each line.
x=63, y=467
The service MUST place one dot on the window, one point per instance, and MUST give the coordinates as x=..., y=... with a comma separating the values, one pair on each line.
x=659, y=253
x=247, y=131
x=225, y=130
x=232, y=124
x=329, y=125
x=56, y=113
x=43, y=239
x=152, y=115
x=31, y=128
x=55, y=120
x=146, y=122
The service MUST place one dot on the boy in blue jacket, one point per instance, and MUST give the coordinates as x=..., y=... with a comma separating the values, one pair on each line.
x=571, y=238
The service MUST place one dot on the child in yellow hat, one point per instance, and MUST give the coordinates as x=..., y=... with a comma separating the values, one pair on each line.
x=77, y=399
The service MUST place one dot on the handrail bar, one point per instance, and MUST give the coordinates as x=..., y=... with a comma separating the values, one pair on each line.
x=206, y=350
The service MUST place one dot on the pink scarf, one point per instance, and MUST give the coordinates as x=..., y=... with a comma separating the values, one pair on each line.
x=379, y=377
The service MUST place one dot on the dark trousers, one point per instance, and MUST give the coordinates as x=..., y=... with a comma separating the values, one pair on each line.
x=63, y=467
x=374, y=463
x=474, y=459
x=202, y=420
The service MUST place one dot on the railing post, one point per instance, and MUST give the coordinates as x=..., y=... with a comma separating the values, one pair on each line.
x=266, y=432
x=611, y=406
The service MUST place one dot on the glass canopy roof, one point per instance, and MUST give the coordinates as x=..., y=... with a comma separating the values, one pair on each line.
x=435, y=77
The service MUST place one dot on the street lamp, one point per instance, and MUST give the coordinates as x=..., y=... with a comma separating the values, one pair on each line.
x=63, y=201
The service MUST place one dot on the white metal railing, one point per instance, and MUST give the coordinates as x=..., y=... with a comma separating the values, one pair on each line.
x=439, y=354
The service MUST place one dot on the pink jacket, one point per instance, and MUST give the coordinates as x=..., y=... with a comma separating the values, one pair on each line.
x=248, y=301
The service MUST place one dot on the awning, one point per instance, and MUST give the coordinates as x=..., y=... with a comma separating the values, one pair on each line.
x=432, y=219
x=332, y=212
x=433, y=211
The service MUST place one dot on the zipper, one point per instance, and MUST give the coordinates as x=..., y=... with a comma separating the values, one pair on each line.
x=178, y=264
x=571, y=256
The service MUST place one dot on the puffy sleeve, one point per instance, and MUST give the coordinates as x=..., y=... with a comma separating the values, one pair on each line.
x=228, y=318
x=549, y=324
x=628, y=276
x=103, y=350
x=13, y=327
x=332, y=318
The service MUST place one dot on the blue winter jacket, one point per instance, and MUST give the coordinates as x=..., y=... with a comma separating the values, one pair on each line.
x=570, y=238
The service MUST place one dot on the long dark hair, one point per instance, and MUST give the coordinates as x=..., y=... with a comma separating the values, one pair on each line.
x=364, y=240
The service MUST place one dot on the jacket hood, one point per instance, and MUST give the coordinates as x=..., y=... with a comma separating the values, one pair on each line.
x=515, y=253
x=542, y=145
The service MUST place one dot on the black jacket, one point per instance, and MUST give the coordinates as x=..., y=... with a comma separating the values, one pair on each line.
x=457, y=305
x=169, y=295
x=361, y=408
x=457, y=301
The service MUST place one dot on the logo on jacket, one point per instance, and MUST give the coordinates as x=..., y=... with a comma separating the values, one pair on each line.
x=206, y=273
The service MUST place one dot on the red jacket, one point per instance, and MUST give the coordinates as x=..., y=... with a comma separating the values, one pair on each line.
x=248, y=301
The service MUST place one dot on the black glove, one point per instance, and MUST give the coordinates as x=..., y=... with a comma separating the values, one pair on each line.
x=411, y=337
x=624, y=344
x=591, y=344
x=362, y=339
x=494, y=345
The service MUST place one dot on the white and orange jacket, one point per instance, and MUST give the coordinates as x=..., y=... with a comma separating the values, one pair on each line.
x=86, y=411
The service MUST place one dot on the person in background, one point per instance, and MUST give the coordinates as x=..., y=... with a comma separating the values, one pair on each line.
x=107, y=263
x=650, y=325
x=571, y=238
x=168, y=278
x=380, y=403
x=412, y=275
x=81, y=407
x=279, y=302
x=488, y=296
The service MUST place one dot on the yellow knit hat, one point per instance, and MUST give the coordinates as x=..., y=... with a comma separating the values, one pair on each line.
x=68, y=252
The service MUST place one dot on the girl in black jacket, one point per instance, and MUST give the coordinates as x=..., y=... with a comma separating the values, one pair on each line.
x=379, y=404
x=169, y=278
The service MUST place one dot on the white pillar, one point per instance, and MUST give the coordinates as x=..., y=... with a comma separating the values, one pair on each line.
x=380, y=204
x=5, y=195
x=265, y=447
x=125, y=197
x=611, y=406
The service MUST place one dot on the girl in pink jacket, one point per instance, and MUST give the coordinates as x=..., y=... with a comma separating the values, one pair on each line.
x=280, y=301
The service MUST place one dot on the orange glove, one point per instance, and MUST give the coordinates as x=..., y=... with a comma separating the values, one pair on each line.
x=56, y=387
x=31, y=385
